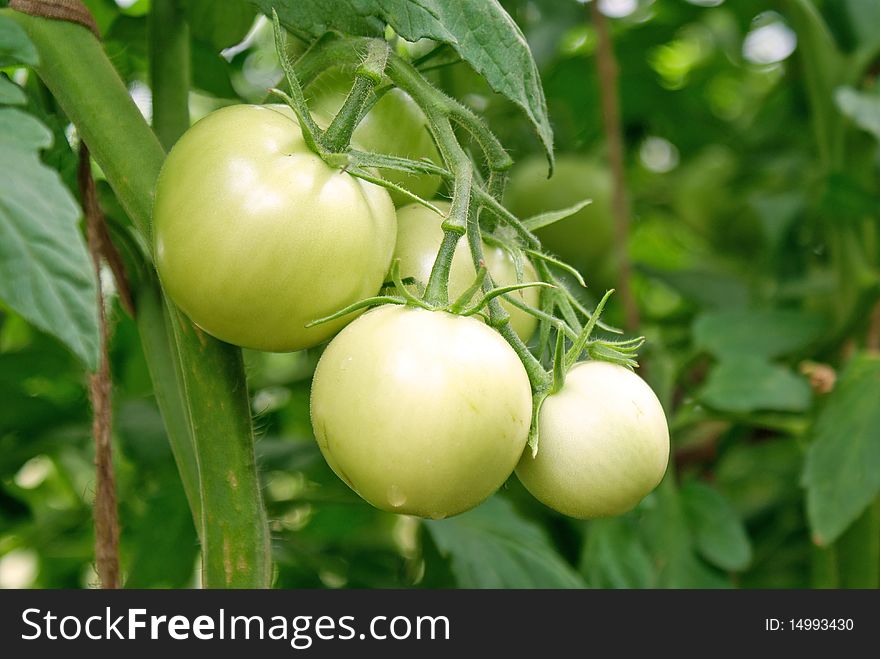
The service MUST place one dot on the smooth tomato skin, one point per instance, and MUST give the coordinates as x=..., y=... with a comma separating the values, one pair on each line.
x=603, y=443
x=420, y=412
x=255, y=235
x=419, y=234
x=585, y=239
x=395, y=125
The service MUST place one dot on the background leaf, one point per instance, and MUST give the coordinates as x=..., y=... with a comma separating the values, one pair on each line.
x=10, y=93
x=750, y=383
x=491, y=546
x=615, y=556
x=862, y=107
x=219, y=24
x=719, y=534
x=767, y=333
x=15, y=46
x=842, y=470
x=864, y=17
x=671, y=543
x=45, y=271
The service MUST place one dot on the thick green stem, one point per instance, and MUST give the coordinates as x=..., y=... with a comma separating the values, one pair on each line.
x=157, y=340
x=169, y=70
x=539, y=378
x=823, y=567
x=437, y=289
x=454, y=227
x=858, y=551
x=199, y=382
x=368, y=75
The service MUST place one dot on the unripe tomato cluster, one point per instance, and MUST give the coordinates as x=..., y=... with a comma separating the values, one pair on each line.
x=419, y=411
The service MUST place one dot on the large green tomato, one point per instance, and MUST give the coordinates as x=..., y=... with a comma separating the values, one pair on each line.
x=603, y=443
x=421, y=412
x=395, y=125
x=256, y=236
x=585, y=239
x=419, y=234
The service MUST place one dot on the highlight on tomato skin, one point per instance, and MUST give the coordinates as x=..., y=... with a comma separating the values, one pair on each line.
x=420, y=412
x=603, y=443
x=256, y=236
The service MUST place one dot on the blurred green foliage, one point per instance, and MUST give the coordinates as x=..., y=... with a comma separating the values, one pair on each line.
x=752, y=163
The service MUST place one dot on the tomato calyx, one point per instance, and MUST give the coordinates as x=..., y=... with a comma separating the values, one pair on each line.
x=401, y=294
x=333, y=144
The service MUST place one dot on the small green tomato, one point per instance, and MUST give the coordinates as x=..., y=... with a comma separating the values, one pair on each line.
x=603, y=443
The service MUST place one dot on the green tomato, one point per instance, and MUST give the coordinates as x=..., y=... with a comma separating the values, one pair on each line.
x=603, y=443
x=419, y=234
x=255, y=235
x=395, y=125
x=585, y=239
x=421, y=412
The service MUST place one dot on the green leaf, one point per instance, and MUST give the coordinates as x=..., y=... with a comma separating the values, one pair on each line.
x=705, y=287
x=210, y=72
x=719, y=534
x=862, y=107
x=491, y=546
x=767, y=333
x=546, y=219
x=15, y=46
x=864, y=17
x=164, y=539
x=842, y=468
x=10, y=93
x=671, y=543
x=749, y=383
x=220, y=24
x=45, y=271
x=614, y=556
x=824, y=68
x=482, y=33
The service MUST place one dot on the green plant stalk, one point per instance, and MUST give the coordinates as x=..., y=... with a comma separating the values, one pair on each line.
x=369, y=74
x=232, y=526
x=858, y=551
x=823, y=567
x=823, y=67
x=826, y=69
x=169, y=70
x=157, y=339
x=211, y=420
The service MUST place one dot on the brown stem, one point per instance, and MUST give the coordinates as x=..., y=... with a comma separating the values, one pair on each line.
x=606, y=64
x=106, y=517
x=63, y=10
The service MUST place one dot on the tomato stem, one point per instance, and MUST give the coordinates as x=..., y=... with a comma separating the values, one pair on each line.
x=369, y=74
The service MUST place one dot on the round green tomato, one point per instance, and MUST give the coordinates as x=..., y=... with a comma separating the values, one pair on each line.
x=585, y=239
x=395, y=125
x=419, y=234
x=421, y=412
x=255, y=235
x=603, y=443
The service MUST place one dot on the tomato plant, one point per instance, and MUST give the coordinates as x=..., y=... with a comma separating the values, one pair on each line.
x=394, y=125
x=138, y=437
x=419, y=234
x=256, y=236
x=604, y=443
x=420, y=412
